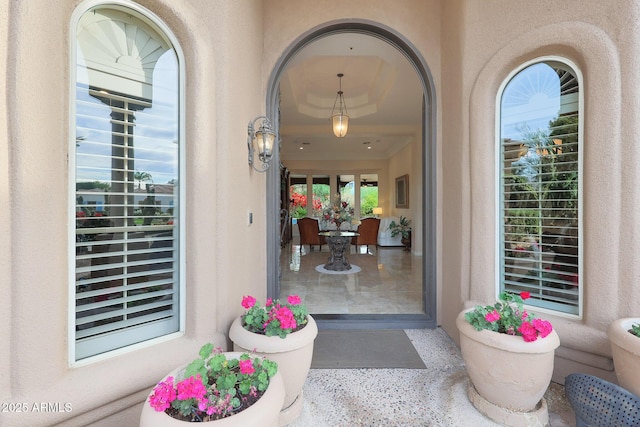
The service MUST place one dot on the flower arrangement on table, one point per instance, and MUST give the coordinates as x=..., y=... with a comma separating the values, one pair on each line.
x=276, y=317
x=508, y=316
x=213, y=387
x=337, y=214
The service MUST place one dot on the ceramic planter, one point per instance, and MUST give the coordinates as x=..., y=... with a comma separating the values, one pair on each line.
x=509, y=376
x=264, y=412
x=292, y=354
x=625, y=349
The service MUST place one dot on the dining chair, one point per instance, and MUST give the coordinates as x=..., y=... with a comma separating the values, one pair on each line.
x=309, y=230
x=368, y=232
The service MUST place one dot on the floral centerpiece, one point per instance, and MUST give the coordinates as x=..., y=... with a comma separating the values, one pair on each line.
x=508, y=316
x=336, y=214
x=275, y=318
x=213, y=386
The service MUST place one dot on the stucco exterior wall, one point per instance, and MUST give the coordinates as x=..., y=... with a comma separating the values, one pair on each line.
x=489, y=40
x=231, y=49
x=223, y=92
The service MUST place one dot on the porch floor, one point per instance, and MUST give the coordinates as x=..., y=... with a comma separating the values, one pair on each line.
x=435, y=396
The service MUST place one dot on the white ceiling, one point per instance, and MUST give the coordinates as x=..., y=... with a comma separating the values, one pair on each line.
x=382, y=93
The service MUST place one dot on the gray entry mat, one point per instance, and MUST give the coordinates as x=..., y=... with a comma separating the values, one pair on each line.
x=351, y=349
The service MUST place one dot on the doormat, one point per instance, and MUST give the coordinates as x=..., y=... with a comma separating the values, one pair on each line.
x=358, y=348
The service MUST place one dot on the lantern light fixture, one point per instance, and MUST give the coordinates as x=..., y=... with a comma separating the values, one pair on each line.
x=340, y=119
x=261, y=140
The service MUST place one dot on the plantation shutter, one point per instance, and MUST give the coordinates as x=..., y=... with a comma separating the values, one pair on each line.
x=539, y=187
x=127, y=198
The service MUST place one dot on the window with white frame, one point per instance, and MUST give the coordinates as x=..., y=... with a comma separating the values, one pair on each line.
x=539, y=185
x=126, y=176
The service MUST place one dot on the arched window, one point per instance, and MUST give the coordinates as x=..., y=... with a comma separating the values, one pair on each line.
x=126, y=175
x=539, y=184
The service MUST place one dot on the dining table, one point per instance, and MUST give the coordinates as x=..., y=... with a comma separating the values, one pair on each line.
x=339, y=243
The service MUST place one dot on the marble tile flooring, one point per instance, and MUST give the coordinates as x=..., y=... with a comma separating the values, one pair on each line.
x=389, y=280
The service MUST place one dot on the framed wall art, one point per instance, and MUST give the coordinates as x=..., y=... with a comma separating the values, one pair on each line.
x=402, y=192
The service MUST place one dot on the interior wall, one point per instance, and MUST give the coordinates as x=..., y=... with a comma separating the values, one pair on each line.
x=407, y=162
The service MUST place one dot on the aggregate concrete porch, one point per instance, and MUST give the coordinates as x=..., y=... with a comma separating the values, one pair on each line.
x=435, y=396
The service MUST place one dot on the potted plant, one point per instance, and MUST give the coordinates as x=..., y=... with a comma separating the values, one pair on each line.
x=509, y=358
x=222, y=388
x=403, y=227
x=624, y=335
x=284, y=332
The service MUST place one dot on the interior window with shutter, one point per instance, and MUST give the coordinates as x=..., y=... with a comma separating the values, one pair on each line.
x=127, y=174
x=539, y=186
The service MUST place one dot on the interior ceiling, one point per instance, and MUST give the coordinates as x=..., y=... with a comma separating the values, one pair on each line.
x=382, y=92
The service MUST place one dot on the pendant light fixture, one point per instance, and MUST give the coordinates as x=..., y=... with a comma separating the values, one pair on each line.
x=340, y=119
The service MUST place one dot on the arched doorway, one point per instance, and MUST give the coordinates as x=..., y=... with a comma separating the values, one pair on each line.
x=424, y=180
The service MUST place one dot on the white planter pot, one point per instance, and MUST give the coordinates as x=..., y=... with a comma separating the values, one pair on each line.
x=293, y=355
x=509, y=375
x=625, y=349
x=264, y=412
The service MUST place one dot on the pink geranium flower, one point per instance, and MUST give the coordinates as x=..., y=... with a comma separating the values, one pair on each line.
x=509, y=317
x=285, y=316
x=294, y=300
x=492, y=316
x=248, y=301
x=275, y=317
x=529, y=333
x=191, y=388
x=246, y=367
x=163, y=395
x=543, y=327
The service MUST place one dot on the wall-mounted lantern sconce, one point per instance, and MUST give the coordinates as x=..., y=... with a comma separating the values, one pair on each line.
x=263, y=140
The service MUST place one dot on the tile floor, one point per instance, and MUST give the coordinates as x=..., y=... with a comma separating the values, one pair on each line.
x=389, y=280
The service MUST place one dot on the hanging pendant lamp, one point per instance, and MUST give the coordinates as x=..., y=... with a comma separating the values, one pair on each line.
x=340, y=119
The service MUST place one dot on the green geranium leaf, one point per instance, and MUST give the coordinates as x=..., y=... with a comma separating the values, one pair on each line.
x=206, y=350
x=226, y=382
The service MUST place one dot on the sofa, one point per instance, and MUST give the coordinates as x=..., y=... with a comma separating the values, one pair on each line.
x=384, y=234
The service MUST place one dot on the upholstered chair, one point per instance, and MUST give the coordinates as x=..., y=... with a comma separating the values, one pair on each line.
x=309, y=230
x=368, y=232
